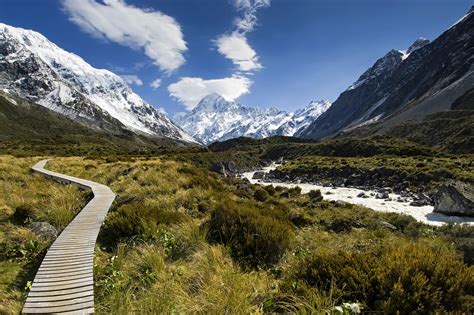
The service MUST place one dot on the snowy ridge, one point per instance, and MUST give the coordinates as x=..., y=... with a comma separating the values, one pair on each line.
x=216, y=119
x=68, y=78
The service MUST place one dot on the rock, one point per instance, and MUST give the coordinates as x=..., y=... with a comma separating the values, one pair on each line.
x=243, y=186
x=340, y=203
x=455, y=198
x=127, y=171
x=317, y=199
x=218, y=168
x=419, y=203
x=258, y=175
x=230, y=167
x=382, y=195
x=361, y=195
x=285, y=194
x=329, y=193
x=224, y=168
x=44, y=230
x=386, y=225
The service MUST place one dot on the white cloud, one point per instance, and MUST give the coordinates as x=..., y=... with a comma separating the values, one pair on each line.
x=155, y=84
x=236, y=48
x=131, y=79
x=249, y=9
x=190, y=91
x=158, y=34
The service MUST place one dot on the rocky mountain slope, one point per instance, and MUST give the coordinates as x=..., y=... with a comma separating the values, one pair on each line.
x=34, y=68
x=27, y=128
x=216, y=119
x=404, y=86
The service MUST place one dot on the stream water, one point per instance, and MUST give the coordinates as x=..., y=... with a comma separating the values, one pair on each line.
x=423, y=214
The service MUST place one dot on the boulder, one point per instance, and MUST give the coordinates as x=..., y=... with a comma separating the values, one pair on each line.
x=44, y=230
x=419, y=203
x=361, y=195
x=230, y=167
x=386, y=225
x=258, y=175
x=317, y=199
x=340, y=203
x=455, y=198
x=218, y=168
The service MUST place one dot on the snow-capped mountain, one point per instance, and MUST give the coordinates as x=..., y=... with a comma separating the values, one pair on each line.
x=34, y=68
x=216, y=119
x=404, y=85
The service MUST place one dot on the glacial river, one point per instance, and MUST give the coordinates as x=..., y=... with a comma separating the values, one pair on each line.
x=423, y=214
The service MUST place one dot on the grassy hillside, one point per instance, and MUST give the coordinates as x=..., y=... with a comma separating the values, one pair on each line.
x=30, y=129
x=182, y=239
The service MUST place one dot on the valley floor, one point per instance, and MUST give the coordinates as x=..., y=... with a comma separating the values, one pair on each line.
x=182, y=239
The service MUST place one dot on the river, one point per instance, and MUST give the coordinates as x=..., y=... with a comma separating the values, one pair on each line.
x=423, y=214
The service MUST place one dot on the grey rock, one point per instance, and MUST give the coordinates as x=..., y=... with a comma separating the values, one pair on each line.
x=258, y=175
x=218, y=168
x=361, y=195
x=455, y=198
x=386, y=225
x=317, y=199
x=44, y=230
x=419, y=203
x=340, y=203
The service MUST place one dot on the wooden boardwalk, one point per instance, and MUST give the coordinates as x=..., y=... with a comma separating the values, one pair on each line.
x=64, y=282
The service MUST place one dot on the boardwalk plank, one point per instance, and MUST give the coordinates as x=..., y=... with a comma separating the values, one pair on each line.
x=64, y=282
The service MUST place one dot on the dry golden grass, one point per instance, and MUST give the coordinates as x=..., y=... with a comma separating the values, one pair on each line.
x=155, y=254
x=44, y=201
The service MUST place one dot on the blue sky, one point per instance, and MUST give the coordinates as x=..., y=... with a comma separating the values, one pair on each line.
x=280, y=53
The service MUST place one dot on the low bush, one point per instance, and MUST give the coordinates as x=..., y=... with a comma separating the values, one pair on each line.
x=255, y=237
x=403, y=277
x=314, y=194
x=261, y=194
x=137, y=220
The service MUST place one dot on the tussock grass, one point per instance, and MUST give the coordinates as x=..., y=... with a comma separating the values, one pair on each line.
x=26, y=197
x=180, y=239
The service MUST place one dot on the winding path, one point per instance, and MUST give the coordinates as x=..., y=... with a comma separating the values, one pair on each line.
x=64, y=282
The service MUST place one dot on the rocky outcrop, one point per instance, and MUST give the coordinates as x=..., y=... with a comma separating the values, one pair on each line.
x=226, y=168
x=455, y=198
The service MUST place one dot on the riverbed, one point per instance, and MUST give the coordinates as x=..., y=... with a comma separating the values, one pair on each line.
x=423, y=214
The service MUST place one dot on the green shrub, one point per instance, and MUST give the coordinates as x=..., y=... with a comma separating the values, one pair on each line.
x=260, y=195
x=137, y=220
x=256, y=237
x=314, y=193
x=403, y=277
x=23, y=213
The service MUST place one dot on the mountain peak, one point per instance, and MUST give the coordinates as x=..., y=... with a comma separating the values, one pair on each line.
x=66, y=83
x=215, y=102
x=417, y=44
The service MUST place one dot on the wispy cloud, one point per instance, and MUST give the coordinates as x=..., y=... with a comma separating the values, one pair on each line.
x=155, y=84
x=131, y=79
x=234, y=45
x=190, y=91
x=157, y=34
x=248, y=8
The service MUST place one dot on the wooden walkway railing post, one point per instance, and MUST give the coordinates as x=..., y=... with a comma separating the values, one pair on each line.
x=64, y=282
